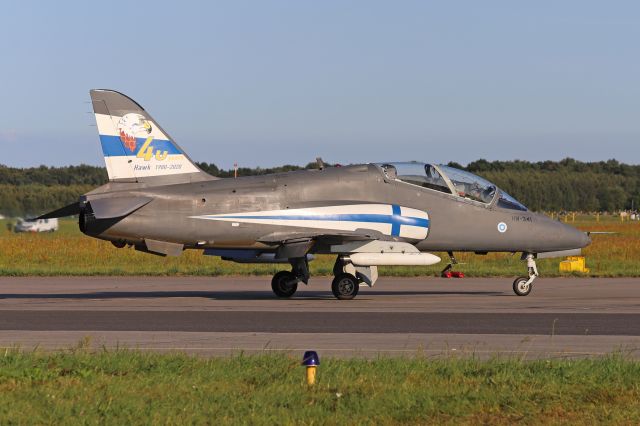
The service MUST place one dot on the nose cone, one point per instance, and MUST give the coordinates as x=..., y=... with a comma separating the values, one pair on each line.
x=574, y=238
x=552, y=235
x=585, y=240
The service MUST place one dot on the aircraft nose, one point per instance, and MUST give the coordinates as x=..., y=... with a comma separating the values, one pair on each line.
x=585, y=240
x=555, y=236
x=577, y=238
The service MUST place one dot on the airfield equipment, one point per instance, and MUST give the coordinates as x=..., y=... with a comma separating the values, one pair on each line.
x=367, y=215
x=574, y=264
x=311, y=361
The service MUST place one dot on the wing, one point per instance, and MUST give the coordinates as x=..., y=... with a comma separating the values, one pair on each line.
x=333, y=237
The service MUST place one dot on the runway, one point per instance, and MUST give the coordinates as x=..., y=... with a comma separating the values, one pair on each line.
x=313, y=322
x=569, y=317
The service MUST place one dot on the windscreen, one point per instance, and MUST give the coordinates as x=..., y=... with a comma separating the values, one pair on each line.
x=469, y=185
x=506, y=201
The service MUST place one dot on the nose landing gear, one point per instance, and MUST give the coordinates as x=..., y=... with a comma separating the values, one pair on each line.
x=522, y=285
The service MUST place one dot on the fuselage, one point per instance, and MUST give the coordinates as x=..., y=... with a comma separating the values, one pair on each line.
x=455, y=223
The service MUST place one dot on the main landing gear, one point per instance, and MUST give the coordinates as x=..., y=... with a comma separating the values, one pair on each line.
x=284, y=283
x=345, y=285
x=348, y=278
x=522, y=285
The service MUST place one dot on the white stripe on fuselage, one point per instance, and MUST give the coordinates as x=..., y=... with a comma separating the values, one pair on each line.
x=312, y=217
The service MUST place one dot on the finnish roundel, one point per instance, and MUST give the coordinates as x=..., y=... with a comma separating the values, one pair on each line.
x=502, y=227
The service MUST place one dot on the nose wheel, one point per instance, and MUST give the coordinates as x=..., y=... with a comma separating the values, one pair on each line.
x=522, y=285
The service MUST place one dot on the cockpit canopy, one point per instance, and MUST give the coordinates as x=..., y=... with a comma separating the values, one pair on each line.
x=450, y=181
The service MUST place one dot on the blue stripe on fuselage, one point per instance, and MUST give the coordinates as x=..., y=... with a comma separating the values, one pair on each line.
x=395, y=220
x=112, y=146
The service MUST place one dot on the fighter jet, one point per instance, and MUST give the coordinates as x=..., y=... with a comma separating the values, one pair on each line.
x=366, y=215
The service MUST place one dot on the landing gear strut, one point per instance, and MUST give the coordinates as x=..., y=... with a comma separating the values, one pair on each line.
x=523, y=285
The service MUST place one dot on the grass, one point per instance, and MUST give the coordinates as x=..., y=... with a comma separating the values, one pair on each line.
x=69, y=252
x=129, y=387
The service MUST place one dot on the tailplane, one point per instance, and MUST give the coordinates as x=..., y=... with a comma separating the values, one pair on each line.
x=135, y=147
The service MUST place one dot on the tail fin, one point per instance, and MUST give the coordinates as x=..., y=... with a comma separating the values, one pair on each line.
x=135, y=147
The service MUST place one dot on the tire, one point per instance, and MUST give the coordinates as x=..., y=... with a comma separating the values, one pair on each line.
x=284, y=284
x=519, y=287
x=345, y=286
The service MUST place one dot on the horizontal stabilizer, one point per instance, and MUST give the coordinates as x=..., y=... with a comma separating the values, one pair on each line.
x=65, y=211
x=111, y=208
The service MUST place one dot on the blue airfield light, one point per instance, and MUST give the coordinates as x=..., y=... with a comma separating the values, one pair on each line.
x=310, y=359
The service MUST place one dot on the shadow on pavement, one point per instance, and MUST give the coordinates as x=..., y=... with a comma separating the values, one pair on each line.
x=236, y=295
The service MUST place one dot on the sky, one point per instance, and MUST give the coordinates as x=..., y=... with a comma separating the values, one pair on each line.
x=265, y=83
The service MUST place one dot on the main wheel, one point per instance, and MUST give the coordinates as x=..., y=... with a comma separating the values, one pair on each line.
x=284, y=284
x=520, y=286
x=345, y=286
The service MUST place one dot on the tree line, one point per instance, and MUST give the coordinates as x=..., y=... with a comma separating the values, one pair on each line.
x=542, y=186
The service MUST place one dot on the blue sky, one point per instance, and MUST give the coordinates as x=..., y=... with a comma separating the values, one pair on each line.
x=273, y=82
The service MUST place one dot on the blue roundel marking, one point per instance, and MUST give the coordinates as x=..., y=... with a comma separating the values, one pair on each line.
x=502, y=227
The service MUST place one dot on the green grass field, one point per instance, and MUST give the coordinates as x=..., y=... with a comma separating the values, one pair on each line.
x=128, y=387
x=69, y=252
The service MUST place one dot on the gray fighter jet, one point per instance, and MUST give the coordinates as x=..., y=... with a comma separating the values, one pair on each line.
x=367, y=215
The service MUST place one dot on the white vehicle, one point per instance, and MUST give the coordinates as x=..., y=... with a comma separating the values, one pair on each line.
x=39, y=225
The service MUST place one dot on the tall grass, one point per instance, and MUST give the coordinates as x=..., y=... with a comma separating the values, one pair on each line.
x=128, y=387
x=68, y=252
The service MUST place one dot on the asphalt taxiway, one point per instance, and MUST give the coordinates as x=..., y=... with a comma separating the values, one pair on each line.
x=568, y=317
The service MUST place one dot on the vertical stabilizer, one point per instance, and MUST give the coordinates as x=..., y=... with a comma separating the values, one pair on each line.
x=135, y=147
